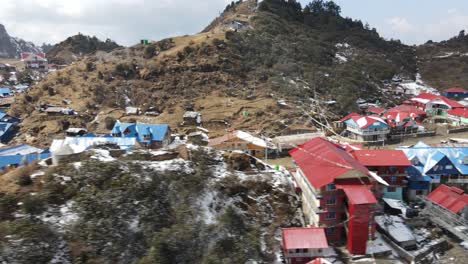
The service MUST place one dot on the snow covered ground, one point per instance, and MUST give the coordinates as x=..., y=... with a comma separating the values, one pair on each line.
x=416, y=87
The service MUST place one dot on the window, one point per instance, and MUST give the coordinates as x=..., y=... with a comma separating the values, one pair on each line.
x=391, y=189
x=331, y=201
x=448, y=167
x=393, y=179
x=330, y=215
x=419, y=192
x=330, y=187
x=330, y=231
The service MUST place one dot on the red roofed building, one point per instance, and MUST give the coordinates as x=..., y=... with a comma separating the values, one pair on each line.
x=303, y=244
x=323, y=169
x=360, y=208
x=413, y=111
x=422, y=99
x=451, y=198
x=375, y=110
x=348, y=116
x=458, y=115
x=456, y=93
x=35, y=61
x=440, y=105
x=390, y=164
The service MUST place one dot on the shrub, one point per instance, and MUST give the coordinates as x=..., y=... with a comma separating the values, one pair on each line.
x=90, y=66
x=33, y=205
x=24, y=180
x=149, y=52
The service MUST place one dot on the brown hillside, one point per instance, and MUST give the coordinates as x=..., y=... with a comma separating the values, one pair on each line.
x=233, y=77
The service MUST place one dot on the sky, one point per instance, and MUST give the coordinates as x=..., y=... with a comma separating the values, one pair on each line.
x=128, y=21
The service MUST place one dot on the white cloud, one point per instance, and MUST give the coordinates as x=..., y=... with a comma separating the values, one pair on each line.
x=125, y=21
x=447, y=27
x=400, y=25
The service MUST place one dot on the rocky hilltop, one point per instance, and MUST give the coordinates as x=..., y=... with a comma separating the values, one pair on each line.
x=76, y=47
x=11, y=47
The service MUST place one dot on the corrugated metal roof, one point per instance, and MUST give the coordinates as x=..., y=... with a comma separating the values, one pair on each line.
x=19, y=150
x=322, y=161
x=463, y=112
x=456, y=90
x=348, y=116
x=19, y=160
x=449, y=197
x=304, y=237
x=358, y=194
x=239, y=135
x=406, y=109
x=139, y=130
x=381, y=157
x=5, y=90
x=375, y=109
x=429, y=156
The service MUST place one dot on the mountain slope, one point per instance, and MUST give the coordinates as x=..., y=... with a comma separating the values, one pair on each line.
x=143, y=208
x=11, y=47
x=234, y=78
x=445, y=64
x=77, y=46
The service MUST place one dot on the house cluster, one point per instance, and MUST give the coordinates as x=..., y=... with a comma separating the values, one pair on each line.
x=345, y=191
x=379, y=124
x=123, y=136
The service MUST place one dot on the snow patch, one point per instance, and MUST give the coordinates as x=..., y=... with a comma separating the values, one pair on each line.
x=60, y=217
x=169, y=165
x=417, y=87
x=207, y=207
x=102, y=155
x=341, y=58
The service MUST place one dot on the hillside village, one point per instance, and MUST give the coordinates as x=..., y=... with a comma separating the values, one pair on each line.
x=209, y=149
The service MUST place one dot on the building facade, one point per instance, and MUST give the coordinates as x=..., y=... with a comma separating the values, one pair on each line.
x=336, y=193
x=367, y=128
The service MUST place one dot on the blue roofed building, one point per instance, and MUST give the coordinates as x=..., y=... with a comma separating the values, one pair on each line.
x=23, y=149
x=12, y=157
x=148, y=135
x=19, y=160
x=6, y=132
x=445, y=165
x=6, y=118
x=418, y=184
x=5, y=92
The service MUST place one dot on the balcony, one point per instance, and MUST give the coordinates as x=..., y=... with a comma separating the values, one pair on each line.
x=304, y=255
x=368, y=132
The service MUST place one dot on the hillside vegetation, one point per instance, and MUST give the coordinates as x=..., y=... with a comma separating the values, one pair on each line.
x=445, y=64
x=284, y=53
x=141, y=209
x=77, y=46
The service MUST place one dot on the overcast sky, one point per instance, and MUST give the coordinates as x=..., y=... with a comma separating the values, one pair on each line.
x=127, y=21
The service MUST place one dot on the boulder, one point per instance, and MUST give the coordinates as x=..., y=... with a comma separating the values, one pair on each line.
x=237, y=160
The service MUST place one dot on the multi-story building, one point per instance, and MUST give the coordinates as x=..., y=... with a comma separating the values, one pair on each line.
x=34, y=61
x=389, y=164
x=367, y=128
x=444, y=164
x=336, y=192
